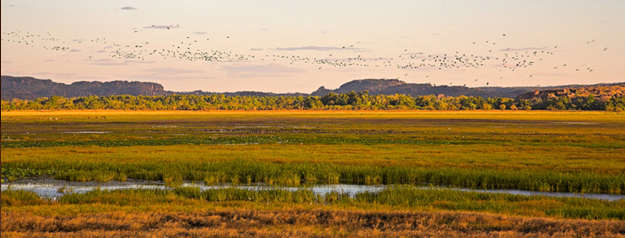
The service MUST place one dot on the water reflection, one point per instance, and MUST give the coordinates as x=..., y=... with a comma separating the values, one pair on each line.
x=53, y=188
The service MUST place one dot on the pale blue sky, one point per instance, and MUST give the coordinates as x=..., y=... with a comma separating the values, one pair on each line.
x=297, y=46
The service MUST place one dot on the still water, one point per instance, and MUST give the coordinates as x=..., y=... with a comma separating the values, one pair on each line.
x=48, y=187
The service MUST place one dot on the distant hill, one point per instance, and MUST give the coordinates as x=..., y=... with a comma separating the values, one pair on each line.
x=31, y=88
x=374, y=86
x=393, y=86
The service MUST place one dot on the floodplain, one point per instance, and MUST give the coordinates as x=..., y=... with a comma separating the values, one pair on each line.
x=555, y=151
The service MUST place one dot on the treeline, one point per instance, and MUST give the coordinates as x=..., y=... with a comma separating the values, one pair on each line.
x=331, y=101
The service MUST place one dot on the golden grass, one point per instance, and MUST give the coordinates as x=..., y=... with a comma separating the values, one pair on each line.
x=300, y=223
x=556, y=158
x=566, y=142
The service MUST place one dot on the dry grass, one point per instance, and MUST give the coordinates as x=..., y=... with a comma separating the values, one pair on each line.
x=301, y=223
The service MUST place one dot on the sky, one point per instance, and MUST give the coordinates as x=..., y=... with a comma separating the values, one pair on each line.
x=298, y=46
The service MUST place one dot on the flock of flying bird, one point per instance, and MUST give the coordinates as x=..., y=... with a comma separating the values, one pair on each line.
x=193, y=49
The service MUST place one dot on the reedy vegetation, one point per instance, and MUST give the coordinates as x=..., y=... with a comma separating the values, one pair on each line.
x=397, y=197
x=245, y=171
x=546, y=151
x=291, y=149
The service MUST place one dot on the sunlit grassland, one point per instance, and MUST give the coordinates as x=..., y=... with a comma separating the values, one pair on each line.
x=192, y=199
x=488, y=156
x=437, y=124
x=244, y=218
x=544, y=151
x=581, y=152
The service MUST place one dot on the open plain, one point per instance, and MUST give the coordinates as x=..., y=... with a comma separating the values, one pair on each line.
x=559, y=152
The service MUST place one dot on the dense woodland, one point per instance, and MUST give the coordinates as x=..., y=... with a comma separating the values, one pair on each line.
x=331, y=101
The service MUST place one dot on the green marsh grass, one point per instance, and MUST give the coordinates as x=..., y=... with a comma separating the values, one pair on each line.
x=15, y=197
x=541, y=151
x=293, y=174
x=398, y=197
x=564, y=151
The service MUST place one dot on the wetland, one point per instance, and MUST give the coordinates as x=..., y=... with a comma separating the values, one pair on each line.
x=560, y=168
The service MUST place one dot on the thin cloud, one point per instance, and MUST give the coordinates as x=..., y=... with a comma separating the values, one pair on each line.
x=74, y=50
x=525, y=49
x=418, y=53
x=247, y=70
x=173, y=71
x=426, y=69
x=139, y=62
x=200, y=33
x=128, y=8
x=101, y=51
x=364, y=60
x=549, y=74
x=256, y=49
x=162, y=26
x=107, y=62
x=361, y=50
x=170, y=74
x=318, y=48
